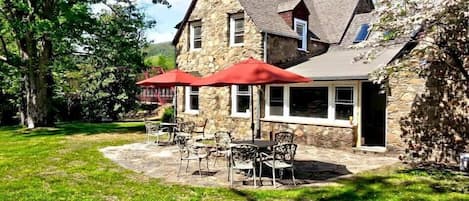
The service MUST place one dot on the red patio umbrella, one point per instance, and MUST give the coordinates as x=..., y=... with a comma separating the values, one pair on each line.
x=172, y=78
x=250, y=72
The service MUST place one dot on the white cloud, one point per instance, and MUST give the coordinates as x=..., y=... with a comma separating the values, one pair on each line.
x=156, y=37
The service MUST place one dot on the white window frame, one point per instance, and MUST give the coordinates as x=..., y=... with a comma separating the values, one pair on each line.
x=188, y=92
x=234, y=17
x=234, y=101
x=329, y=121
x=192, y=35
x=304, y=41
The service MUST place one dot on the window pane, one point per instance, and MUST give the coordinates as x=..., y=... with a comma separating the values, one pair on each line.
x=309, y=101
x=197, y=44
x=243, y=89
x=343, y=112
x=276, y=101
x=194, y=90
x=239, y=25
x=197, y=31
x=242, y=104
x=194, y=102
x=239, y=39
x=344, y=95
x=299, y=29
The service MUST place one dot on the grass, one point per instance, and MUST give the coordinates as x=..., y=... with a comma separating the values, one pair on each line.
x=64, y=163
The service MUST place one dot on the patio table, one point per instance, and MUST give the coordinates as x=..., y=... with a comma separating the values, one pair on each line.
x=262, y=144
x=171, y=127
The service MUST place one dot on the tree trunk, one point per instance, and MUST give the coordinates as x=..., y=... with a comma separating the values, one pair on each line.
x=37, y=106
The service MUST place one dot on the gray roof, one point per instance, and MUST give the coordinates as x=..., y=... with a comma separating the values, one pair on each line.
x=328, y=19
x=337, y=64
x=266, y=18
x=354, y=27
x=287, y=5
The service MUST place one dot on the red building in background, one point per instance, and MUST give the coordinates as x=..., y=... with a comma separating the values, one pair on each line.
x=152, y=95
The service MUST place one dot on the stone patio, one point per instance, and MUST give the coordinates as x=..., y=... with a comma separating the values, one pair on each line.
x=314, y=166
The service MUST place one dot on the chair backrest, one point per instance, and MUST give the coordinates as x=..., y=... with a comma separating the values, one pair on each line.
x=223, y=139
x=243, y=155
x=187, y=126
x=284, y=137
x=151, y=127
x=285, y=152
x=179, y=120
x=181, y=142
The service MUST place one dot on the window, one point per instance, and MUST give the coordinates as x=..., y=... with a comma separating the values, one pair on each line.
x=276, y=101
x=321, y=103
x=309, y=102
x=237, y=29
x=343, y=103
x=241, y=98
x=362, y=33
x=192, y=99
x=195, y=35
x=301, y=28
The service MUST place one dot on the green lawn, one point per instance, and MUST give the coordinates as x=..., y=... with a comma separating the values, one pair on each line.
x=64, y=164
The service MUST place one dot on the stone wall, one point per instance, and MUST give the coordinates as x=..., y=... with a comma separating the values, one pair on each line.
x=216, y=54
x=322, y=136
x=403, y=88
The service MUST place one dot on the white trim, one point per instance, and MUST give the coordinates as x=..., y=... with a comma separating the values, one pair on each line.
x=234, y=17
x=187, y=108
x=329, y=121
x=304, y=39
x=234, y=100
x=191, y=35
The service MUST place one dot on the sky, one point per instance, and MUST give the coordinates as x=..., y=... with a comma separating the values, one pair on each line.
x=166, y=18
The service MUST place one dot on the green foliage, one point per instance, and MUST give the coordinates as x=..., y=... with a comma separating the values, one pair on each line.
x=65, y=163
x=168, y=115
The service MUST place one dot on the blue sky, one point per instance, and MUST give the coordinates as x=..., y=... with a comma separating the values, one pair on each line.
x=166, y=18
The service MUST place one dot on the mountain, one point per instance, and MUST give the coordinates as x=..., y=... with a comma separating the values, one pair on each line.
x=160, y=54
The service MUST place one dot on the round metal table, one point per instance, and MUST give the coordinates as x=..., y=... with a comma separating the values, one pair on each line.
x=259, y=143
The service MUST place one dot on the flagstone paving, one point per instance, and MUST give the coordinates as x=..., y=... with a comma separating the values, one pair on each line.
x=314, y=166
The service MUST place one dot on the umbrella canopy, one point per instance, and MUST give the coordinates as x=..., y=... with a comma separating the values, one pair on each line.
x=174, y=77
x=250, y=72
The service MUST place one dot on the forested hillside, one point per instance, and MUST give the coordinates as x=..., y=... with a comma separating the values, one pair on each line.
x=160, y=54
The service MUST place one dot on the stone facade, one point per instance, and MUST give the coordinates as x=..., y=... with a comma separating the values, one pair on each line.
x=216, y=54
x=402, y=90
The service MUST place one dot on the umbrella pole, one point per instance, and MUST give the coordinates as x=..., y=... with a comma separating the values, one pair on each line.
x=252, y=113
x=175, y=103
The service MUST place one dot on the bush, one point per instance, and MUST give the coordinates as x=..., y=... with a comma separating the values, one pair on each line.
x=168, y=115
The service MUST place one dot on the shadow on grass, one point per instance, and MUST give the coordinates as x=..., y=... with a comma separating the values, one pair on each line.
x=74, y=128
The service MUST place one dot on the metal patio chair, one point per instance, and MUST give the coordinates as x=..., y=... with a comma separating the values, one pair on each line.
x=188, y=153
x=284, y=137
x=243, y=157
x=283, y=156
x=153, y=129
x=222, y=145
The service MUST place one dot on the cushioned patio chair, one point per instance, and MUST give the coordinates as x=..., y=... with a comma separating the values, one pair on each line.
x=243, y=157
x=283, y=156
x=188, y=153
x=153, y=129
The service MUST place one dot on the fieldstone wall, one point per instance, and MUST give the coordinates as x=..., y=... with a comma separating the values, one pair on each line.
x=216, y=54
x=403, y=88
x=322, y=136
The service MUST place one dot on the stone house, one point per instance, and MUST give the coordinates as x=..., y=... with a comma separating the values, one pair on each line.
x=340, y=109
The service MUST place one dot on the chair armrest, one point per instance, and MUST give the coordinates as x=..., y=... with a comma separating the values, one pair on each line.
x=164, y=129
x=264, y=156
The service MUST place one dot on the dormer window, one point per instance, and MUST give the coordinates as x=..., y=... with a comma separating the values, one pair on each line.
x=301, y=28
x=195, y=35
x=362, y=34
x=237, y=29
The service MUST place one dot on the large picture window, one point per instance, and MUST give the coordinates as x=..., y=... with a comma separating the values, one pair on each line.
x=241, y=98
x=195, y=35
x=309, y=101
x=192, y=99
x=322, y=103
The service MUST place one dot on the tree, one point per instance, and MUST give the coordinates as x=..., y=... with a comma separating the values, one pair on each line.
x=437, y=127
x=35, y=36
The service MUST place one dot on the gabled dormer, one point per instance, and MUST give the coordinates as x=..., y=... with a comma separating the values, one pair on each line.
x=296, y=14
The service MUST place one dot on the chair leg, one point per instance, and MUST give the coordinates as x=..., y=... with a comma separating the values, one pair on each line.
x=180, y=164
x=231, y=176
x=273, y=177
x=215, y=162
x=206, y=159
x=293, y=175
x=157, y=139
x=200, y=170
x=187, y=166
x=260, y=174
x=254, y=176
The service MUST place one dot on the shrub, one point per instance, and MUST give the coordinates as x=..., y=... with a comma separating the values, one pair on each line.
x=168, y=115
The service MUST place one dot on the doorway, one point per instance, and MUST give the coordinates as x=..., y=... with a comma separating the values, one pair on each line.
x=373, y=118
